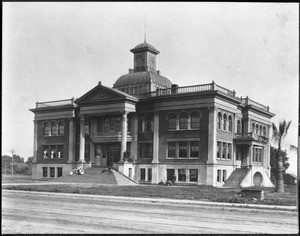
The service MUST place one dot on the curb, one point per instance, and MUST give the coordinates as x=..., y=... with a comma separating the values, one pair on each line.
x=183, y=202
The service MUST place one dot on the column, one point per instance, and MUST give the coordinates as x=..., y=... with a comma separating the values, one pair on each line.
x=71, y=140
x=81, y=140
x=250, y=155
x=134, y=141
x=155, y=137
x=212, y=135
x=123, y=135
x=35, y=136
x=211, y=174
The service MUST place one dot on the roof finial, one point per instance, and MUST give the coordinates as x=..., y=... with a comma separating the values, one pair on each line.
x=145, y=23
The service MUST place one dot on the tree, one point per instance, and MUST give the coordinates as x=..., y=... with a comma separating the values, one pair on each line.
x=273, y=162
x=278, y=136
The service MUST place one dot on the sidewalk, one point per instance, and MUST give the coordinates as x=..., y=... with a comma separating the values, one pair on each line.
x=195, y=203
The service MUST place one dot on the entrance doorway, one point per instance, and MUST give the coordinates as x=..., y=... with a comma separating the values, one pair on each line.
x=111, y=152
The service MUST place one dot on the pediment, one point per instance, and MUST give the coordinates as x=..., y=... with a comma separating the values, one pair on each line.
x=102, y=93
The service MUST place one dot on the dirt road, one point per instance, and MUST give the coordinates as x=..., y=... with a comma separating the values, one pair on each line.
x=30, y=213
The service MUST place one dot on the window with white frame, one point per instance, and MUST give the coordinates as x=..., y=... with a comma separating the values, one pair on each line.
x=219, y=144
x=171, y=149
x=195, y=120
x=172, y=121
x=146, y=150
x=61, y=128
x=181, y=175
x=238, y=126
x=229, y=124
x=219, y=120
x=229, y=151
x=47, y=129
x=224, y=121
x=45, y=171
x=194, y=149
x=182, y=149
x=148, y=124
x=183, y=120
x=54, y=129
x=143, y=174
x=219, y=176
x=193, y=175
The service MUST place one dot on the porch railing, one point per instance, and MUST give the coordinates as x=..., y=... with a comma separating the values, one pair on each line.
x=55, y=103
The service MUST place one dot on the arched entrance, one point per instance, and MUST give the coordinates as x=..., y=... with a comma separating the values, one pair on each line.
x=257, y=179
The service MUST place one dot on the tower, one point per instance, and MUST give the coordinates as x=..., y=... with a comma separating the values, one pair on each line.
x=144, y=57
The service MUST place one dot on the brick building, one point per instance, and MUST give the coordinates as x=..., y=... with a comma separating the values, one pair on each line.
x=150, y=130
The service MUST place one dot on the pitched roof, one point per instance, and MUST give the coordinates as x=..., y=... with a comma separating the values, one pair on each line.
x=97, y=94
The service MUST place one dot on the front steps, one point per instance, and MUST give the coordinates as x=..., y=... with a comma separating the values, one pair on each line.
x=236, y=178
x=97, y=175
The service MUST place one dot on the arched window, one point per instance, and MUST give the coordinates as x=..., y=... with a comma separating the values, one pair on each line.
x=229, y=124
x=106, y=125
x=183, y=121
x=224, y=121
x=61, y=128
x=219, y=120
x=195, y=120
x=238, y=126
x=47, y=129
x=172, y=121
x=264, y=131
x=149, y=124
x=253, y=127
x=260, y=130
x=256, y=130
x=54, y=128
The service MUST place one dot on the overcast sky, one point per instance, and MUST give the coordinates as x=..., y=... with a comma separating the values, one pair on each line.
x=54, y=50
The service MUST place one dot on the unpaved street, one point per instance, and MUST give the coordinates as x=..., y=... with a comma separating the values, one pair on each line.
x=30, y=212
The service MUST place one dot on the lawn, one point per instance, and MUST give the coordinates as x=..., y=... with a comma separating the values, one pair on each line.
x=204, y=193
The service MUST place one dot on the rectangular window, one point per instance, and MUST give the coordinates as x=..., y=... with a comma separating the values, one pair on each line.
x=224, y=151
x=59, y=171
x=118, y=124
x=45, y=172
x=219, y=149
x=193, y=175
x=171, y=149
x=224, y=175
x=229, y=151
x=130, y=172
x=146, y=150
x=143, y=174
x=141, y=125
x=60, y=153
x=182, y=175
x=52, y=172
x=183, y=149
x=219, y=176
x=194, y=152
x=112, y=124
x=149, y=174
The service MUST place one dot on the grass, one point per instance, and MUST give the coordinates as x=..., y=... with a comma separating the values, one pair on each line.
x=204, y=193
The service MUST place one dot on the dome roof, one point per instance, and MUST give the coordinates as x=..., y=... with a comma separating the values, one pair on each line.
x=144, y=47
x=145, y=77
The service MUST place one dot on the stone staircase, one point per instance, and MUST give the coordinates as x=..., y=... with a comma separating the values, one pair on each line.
x=123, y=179
x=97, y=175
x=236, y=178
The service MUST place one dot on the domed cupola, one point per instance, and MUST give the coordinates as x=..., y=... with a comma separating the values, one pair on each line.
x=144, y=77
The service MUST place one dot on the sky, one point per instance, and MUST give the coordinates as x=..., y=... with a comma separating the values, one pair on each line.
x=60, y=50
